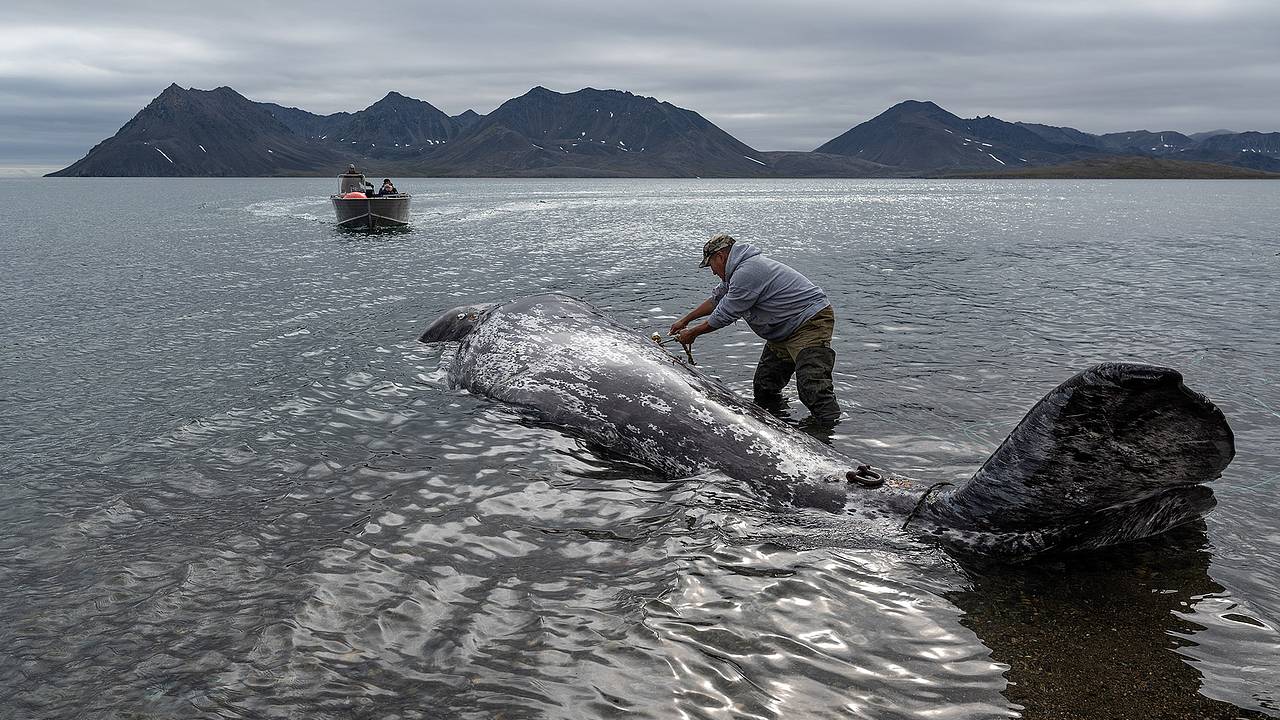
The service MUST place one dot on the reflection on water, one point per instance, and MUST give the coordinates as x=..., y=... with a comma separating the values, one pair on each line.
x=235, y=486
x=1103, y=633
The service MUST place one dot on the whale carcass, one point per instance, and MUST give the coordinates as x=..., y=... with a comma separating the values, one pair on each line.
x=1118, y=452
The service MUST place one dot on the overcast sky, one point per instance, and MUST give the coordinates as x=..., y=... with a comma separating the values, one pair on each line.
x=777, y=75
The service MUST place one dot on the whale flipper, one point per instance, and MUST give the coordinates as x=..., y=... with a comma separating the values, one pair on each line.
x=1115, y=453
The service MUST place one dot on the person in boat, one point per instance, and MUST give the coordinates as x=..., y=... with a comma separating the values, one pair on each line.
x=387, y=187
x=780, y=305
x=368, y=189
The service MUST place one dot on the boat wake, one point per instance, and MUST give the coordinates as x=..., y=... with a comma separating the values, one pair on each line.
x=312, y=208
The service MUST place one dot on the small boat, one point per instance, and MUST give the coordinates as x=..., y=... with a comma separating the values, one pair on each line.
x=359, y=208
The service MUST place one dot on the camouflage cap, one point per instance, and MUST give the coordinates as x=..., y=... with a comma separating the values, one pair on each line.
x=713, y=246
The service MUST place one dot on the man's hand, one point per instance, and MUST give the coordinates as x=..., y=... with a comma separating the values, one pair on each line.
x=687, y=336
x=706, y=308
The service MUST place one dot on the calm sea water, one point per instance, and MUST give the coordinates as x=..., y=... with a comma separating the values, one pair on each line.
x=233, y=485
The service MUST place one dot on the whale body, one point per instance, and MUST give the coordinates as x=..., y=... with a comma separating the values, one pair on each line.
x=1117, y=452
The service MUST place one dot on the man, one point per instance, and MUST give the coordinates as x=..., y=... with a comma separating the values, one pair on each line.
x=387, y=188
x=781, y=306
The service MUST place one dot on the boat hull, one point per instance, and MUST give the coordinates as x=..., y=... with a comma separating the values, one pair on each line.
x=372, y=213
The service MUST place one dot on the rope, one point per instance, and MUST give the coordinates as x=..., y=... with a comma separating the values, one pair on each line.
x=920, y=503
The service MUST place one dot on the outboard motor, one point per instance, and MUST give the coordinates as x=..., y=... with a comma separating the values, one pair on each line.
x=351, y=181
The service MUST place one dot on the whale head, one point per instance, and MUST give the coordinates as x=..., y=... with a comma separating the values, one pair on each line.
x=456, y=323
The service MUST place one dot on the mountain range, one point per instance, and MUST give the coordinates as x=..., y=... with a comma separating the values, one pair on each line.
x=610, y=133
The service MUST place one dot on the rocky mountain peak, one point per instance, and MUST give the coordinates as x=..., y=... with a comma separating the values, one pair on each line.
x=599, y=132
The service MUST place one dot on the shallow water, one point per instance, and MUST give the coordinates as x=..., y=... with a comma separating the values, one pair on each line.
x=235, y=486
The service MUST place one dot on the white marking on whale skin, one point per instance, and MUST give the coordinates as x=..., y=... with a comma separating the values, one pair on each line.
x=740, y=432
x=705, y=417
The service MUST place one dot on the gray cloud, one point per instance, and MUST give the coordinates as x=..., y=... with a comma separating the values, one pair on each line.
x=776, y=76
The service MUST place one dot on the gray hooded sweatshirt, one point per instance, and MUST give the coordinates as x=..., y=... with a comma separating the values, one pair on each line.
x=774, y=299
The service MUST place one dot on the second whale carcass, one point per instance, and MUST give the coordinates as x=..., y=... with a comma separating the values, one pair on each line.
x=1117, y=452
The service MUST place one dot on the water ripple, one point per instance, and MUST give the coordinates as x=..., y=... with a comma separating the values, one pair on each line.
x=236, y=487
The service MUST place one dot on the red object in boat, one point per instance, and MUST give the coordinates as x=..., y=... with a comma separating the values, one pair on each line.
x=355, y=196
